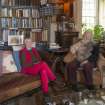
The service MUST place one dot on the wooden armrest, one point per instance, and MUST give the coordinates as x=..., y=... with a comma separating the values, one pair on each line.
x=95, y=68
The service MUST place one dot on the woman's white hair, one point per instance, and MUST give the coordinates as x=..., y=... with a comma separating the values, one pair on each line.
x=88, y=35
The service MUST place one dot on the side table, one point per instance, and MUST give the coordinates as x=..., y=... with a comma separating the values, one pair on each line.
x=56, y=56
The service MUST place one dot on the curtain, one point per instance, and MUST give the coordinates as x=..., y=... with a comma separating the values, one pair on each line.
x=102, y=12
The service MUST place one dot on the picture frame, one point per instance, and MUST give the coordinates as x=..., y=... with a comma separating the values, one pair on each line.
x=15, y=39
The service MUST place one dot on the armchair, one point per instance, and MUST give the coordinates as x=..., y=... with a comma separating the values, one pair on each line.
x=97, y=77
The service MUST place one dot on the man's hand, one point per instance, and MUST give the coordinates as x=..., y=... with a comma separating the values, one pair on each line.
x=84, y=62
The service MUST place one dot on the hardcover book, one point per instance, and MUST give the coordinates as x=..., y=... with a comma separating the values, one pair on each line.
x=4, y=2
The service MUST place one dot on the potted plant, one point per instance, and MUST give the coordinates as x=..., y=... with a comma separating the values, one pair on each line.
x=98, y=32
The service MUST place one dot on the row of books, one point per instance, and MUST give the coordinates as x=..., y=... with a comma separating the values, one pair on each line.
x=46, y=10
x=30, y=12
x=21, y=23
x=39, y=36
x=12, y=32
x=55, y=1
x=51, y=10
x=6, y=33
x=19, y=2
x=13, y=12
x=36, y=36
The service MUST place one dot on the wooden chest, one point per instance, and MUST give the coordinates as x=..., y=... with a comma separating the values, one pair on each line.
x=15, y=84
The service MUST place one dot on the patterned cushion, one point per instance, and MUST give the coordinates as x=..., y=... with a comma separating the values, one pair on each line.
x=8, y=64
x=17, y=60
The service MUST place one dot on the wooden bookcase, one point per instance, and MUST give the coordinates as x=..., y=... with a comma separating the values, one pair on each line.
x=66, y=38
x=21, y=18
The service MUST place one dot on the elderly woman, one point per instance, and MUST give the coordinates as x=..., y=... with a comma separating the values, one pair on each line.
x=33, y=65
x=86, y=56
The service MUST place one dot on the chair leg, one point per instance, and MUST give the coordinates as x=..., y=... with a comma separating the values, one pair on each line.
x=101, y=86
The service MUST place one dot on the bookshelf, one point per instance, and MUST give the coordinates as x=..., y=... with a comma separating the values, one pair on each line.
x=20, y=18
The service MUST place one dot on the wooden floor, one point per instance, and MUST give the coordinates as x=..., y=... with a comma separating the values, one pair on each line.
x=57, y=96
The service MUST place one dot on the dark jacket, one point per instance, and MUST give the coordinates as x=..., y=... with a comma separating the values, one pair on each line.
x=95, y=54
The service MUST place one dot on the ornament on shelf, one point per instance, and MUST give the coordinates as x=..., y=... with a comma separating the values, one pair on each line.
x=43, y=2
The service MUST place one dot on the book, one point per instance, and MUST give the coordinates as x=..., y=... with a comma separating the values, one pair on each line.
x=27, y=33
x=22, y=2
x=9, y=22
x=4, y=2
x=11, y=2
x=5, y=34
x=20, y=32
x=35, y=13
x=17, y=2
x=27, y=2
x=10, y=12
x=4, y=23
x=43, y=2
x=36, y=36
x=30, y=23
x=26, y=13
x=19, y=12
x=1, y=35
x=40, y=23
x=19, y=23
x=46, y=10
x=45, y=35
x=14, y=22
x=4, y=12
x=12, y=32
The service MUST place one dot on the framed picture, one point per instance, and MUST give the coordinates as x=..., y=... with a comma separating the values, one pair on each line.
x=15, y=39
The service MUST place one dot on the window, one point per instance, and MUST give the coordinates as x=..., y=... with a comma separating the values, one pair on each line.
x=102, y=13
x=89, y=13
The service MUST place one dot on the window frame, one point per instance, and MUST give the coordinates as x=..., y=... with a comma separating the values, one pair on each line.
x=96, y=17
